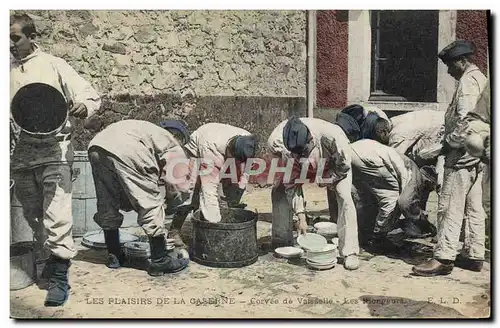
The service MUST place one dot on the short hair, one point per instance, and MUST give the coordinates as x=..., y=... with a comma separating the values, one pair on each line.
x=382, y=130
x=27, y=24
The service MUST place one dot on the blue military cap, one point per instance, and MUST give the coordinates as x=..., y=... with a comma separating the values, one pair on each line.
x=245, y=147
x=295, y=135
x=457, y=49
x=176, y=125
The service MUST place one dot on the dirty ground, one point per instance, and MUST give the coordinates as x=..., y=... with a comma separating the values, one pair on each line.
x=270, y=288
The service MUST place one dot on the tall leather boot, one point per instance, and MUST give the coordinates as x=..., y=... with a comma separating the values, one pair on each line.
x=116, y=258
x=161, y=263
x=58, y=286
x=175, y=229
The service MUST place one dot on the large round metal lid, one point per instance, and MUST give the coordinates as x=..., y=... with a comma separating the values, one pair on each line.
x=95, y=239
x=39, y=108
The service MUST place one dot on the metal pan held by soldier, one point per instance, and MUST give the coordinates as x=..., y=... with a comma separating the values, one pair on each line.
x=40, y=110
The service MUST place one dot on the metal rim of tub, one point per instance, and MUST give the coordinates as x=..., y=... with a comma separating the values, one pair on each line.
x=237, y=264
x=224, y=225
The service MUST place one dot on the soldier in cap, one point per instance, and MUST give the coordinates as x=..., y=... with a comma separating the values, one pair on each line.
x=396, y=185
x=364, y=122
x=315, y=139
x=461, y=194
x=215, y=147
x=129, y=161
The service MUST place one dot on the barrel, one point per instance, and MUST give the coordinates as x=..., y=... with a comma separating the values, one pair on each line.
x=231, y=243
x=22, y=265
x=20, y=230
x=84, y=202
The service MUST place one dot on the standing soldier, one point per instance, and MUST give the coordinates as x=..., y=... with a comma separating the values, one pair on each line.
x=461, y=193
x=42, y=168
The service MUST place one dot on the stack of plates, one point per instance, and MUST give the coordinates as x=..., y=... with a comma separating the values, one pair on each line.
x=326, y=229
x=322, y=259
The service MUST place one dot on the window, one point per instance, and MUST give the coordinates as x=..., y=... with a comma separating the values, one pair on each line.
x=404, y=55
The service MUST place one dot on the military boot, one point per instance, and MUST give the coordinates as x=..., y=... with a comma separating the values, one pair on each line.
x=161, y=262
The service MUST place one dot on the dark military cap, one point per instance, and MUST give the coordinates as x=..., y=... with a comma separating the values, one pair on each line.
x=457, y=49
x=295, y=135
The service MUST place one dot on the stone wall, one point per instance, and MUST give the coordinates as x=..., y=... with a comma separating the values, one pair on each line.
x=245, y=68
x=229, y=53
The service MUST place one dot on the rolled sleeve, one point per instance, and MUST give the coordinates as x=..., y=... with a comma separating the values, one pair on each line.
x=209, y=200
x=76, y=88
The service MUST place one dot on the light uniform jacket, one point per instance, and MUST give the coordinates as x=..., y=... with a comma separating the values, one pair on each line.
x=469, y=88
x=40, y=67
x=339, y=156
x=210, y=142
x=417, y=130
x=143, y=147
x=479, y=119
x=375, y=155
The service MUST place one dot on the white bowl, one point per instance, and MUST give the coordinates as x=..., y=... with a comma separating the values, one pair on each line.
x=289, y=252
x=310, y=241
x=326, y=229
x=325, y=226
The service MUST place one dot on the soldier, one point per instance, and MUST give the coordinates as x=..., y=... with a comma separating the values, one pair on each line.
x=315, y=139
x=461, y=194
x=42, y=168
x=128, y=159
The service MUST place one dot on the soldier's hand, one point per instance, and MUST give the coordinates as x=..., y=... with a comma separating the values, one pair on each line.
x=78, y=110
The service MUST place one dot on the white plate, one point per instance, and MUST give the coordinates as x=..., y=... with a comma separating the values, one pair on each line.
x=321, y=266
x=312, y=241
x=289, y=252
x=328, y=248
